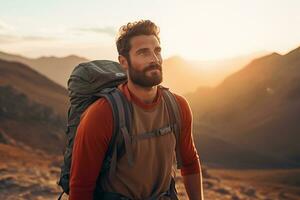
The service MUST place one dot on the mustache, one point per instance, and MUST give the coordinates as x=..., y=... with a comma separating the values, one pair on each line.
x=153, y=66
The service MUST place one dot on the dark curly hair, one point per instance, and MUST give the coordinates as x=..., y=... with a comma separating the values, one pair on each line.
x=126, y=32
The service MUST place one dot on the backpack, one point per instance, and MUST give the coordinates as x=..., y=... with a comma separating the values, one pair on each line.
x=92, y=80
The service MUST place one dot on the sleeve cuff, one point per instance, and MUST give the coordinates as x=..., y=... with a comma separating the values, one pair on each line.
x=193, y=168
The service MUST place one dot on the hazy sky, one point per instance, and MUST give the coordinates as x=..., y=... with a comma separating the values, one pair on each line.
x=194, y=29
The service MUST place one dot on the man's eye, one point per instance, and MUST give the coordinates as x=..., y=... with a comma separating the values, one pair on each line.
x=144, y=52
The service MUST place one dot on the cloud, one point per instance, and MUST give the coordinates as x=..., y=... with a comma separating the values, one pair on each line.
x=111, y=31
x=9, y=34
x=4, y=39
x=37, y=38
x=11, y=38
x=4, y=26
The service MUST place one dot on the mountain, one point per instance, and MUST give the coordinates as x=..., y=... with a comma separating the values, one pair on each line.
x=231, y=120
x=32, y=109
x=256, y=108
x=34, y=85
x=185, y=76
x=181, y=75
x=56, y=69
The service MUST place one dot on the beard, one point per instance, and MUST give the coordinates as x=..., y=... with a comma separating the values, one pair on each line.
x=140, y=77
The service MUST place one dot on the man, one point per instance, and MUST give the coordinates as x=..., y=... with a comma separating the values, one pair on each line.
x=139, y=51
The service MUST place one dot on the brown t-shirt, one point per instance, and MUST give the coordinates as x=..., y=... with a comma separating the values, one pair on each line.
x=90, y=147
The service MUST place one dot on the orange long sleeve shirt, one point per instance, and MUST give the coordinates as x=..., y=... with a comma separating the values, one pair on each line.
x=90, y=147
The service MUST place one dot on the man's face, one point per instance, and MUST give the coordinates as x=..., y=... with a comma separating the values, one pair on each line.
x=145, y=63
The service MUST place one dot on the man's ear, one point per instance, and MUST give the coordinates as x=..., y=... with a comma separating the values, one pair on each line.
x=123, y=62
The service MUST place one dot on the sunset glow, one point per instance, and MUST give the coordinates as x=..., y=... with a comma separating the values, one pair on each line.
x=197, y=30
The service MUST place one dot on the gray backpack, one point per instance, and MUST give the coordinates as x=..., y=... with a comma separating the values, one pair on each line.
x=99, y=79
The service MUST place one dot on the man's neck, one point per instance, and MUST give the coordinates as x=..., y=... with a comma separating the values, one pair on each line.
x=147, y=95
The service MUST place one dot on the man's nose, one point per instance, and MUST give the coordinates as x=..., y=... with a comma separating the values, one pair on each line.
x=155, y=58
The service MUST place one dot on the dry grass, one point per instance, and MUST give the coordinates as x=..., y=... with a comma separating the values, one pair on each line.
x=27, y=174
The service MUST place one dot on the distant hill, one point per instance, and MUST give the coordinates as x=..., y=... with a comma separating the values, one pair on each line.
x=256, y=108
x=35, y=85
x=32, y=109
x=181, y=75
x=55, y=68
x=233, y=121
x=185, y=76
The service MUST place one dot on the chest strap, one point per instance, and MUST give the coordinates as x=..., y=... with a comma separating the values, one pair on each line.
x=155, y=133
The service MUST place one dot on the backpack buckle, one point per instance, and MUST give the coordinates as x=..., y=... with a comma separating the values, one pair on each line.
x=164, y=131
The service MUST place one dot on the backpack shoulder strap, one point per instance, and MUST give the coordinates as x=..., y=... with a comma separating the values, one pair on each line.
x=122, y=115
x=175, y=118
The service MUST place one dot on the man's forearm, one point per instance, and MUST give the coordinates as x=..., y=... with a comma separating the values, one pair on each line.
x=193, y=186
